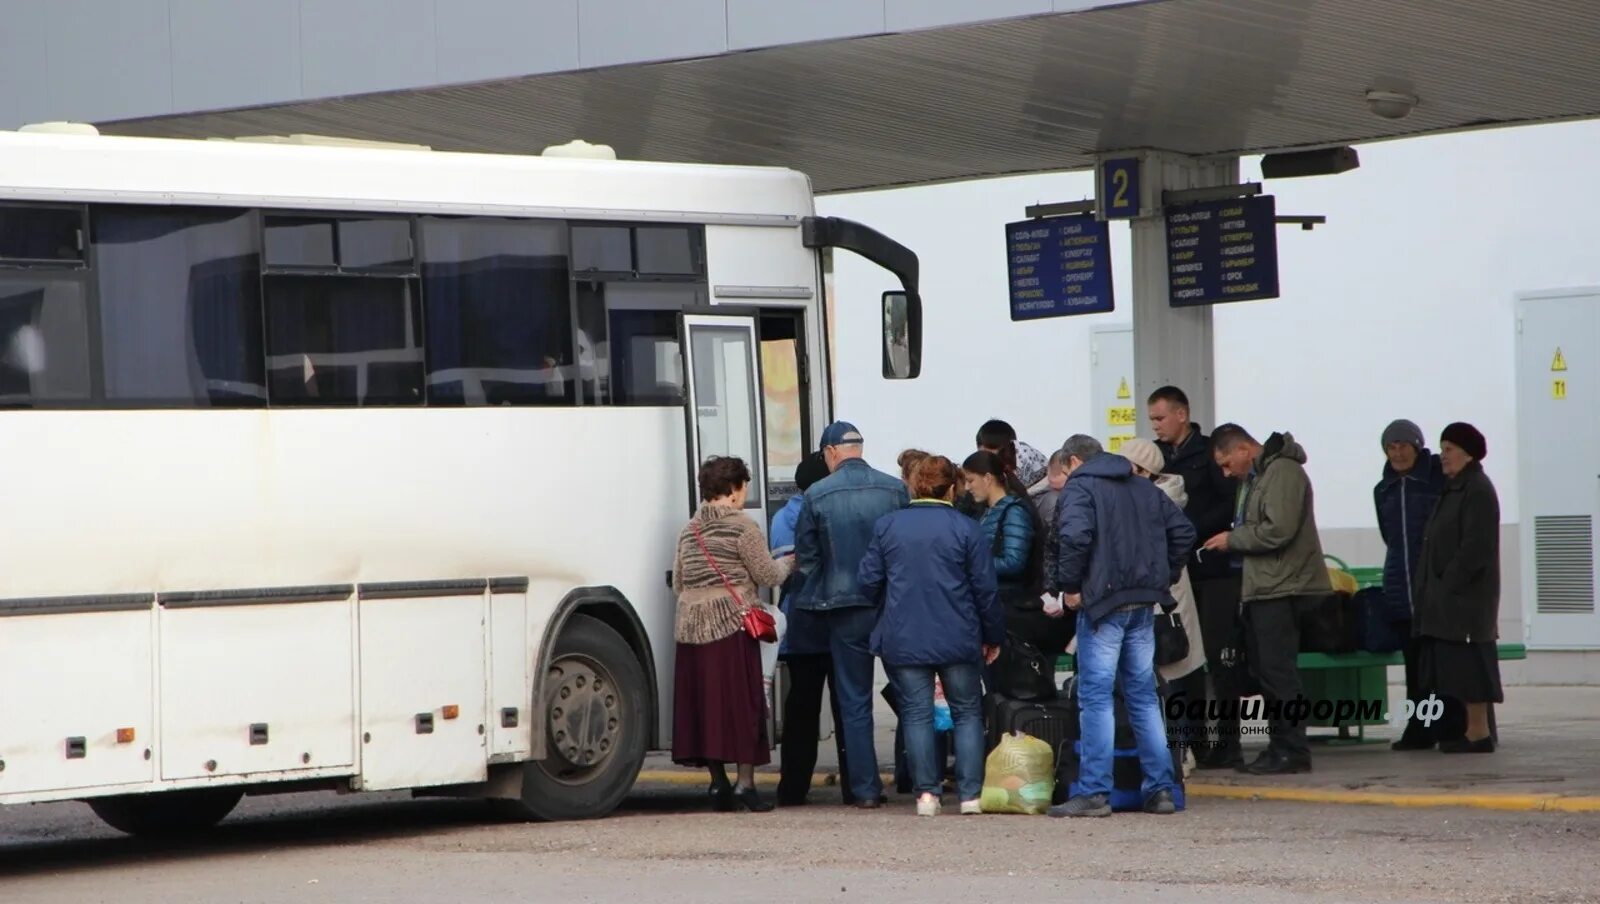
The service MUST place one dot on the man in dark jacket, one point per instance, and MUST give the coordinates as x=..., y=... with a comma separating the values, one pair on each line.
x=831, y=537
x=1285, y=577
x=805, y=652
x=1412, y=480
x=1213, y=578
x=1122, y=546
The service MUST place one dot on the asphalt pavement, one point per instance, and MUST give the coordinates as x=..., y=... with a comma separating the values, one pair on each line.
x=1450, y=828
x=664, y=847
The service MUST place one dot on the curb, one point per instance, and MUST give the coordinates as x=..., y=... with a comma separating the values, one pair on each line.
x=1544, y=803
x=1525, y=803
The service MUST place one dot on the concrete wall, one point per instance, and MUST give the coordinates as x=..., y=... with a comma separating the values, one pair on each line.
x=118, y=59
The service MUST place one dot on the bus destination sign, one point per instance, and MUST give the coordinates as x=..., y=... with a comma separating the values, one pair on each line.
x=1219, y=251
x=1058, y=267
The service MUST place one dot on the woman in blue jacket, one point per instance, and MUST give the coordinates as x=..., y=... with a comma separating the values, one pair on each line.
x=1016, y=539
x=933, y=576
x=1413, y=478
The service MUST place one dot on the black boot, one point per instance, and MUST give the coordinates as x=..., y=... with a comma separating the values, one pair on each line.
x=1274, y=762
x=1484, y=744
x=750, y=799
x=1413, y=740
x=1224, y=754
x=721, y=790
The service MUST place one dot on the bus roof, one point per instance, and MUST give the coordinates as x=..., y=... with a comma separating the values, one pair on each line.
x=49, y=166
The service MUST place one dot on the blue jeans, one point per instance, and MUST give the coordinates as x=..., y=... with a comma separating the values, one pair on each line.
x=850, y=641
x=963, y=690
x=1120, y=651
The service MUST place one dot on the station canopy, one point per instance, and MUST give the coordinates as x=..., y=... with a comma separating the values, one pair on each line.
x=1200, y=77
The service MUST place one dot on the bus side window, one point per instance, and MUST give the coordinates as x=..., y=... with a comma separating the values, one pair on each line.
x=344, y=311
x=499, y=316
x=645, y=361
x=180, y=306
x=44, y=308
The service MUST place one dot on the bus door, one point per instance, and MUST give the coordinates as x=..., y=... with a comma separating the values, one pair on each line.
x=785, y=400
x=722, y=364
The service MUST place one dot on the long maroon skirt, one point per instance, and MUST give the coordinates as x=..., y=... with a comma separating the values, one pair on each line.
x=719, y=711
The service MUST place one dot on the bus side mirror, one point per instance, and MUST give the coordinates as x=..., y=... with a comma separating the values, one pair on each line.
x=902, y=336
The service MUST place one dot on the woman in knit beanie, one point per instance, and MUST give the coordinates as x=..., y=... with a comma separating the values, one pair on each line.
x=1457, y=601
x=1404, y=499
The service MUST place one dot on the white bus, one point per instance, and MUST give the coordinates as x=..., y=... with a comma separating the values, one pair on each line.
x=361, y=468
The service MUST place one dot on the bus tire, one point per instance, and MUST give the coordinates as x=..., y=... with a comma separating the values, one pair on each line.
x=596, y=712
x=167, y=813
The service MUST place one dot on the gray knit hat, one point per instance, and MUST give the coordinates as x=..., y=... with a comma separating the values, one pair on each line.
x=1403, y=431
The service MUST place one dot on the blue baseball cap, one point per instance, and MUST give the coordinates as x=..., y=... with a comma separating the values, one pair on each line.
x=841, y=433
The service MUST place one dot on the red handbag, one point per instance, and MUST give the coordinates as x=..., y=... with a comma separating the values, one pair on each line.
x=758, y=622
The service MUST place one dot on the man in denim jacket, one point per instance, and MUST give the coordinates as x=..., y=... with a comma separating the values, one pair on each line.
x=831, y=538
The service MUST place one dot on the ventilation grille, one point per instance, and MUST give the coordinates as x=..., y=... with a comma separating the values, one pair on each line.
x=1564, y=562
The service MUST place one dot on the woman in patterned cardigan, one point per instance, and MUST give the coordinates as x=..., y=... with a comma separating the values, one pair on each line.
x=719, y=712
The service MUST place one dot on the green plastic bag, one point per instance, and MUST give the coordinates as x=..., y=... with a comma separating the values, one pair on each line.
x=1019, y=776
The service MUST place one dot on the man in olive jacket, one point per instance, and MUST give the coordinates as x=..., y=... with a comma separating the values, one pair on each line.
x=1285, y=578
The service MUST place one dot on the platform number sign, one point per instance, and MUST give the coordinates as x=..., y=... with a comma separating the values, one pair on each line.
x=1119, y=188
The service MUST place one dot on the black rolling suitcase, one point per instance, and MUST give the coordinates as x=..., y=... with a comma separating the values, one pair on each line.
x=1053, y=721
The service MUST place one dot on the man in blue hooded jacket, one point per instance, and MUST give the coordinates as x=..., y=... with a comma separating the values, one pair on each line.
x=1123, y=545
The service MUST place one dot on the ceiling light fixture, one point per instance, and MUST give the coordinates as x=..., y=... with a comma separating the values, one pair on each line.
x=1391, y=104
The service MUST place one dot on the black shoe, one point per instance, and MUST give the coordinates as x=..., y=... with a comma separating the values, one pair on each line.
x=1221, y=757
x=1408, y=742
x=1484, y=744
x=1161, y=803
x=791, y=800
x=1082, y=805
x=871, y=803
x=721, y=798
x=750, y=799
x=1271, y=762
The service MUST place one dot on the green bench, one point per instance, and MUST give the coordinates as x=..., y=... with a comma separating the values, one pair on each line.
x=1361, y=676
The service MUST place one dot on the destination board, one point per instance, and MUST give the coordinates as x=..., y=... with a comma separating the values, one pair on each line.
x=1221, y=251
x=1058, y=267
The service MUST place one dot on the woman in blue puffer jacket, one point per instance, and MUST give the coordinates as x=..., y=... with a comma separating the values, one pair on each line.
x=930, y=570
x=1011, y=526
x=1413, y=478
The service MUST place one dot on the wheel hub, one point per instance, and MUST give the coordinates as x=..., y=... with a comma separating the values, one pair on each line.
x=583, y=713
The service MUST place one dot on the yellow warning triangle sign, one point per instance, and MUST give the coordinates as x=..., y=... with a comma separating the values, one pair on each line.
x=1559, y=364
x=1122, y=391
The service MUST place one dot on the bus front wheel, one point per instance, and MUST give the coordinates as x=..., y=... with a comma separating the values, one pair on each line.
x=166, y=813
x=596, y=718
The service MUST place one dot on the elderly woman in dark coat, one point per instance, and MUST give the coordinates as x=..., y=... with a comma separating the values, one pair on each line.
x=1456, y=607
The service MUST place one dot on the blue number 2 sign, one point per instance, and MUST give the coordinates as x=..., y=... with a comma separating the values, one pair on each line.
x=1119, y=188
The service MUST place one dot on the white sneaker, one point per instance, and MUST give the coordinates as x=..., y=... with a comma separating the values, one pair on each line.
x=971, y=808
x=928, y=805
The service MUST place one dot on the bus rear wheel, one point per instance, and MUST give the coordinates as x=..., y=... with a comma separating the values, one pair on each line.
x=596, y=718
x=167, y=813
